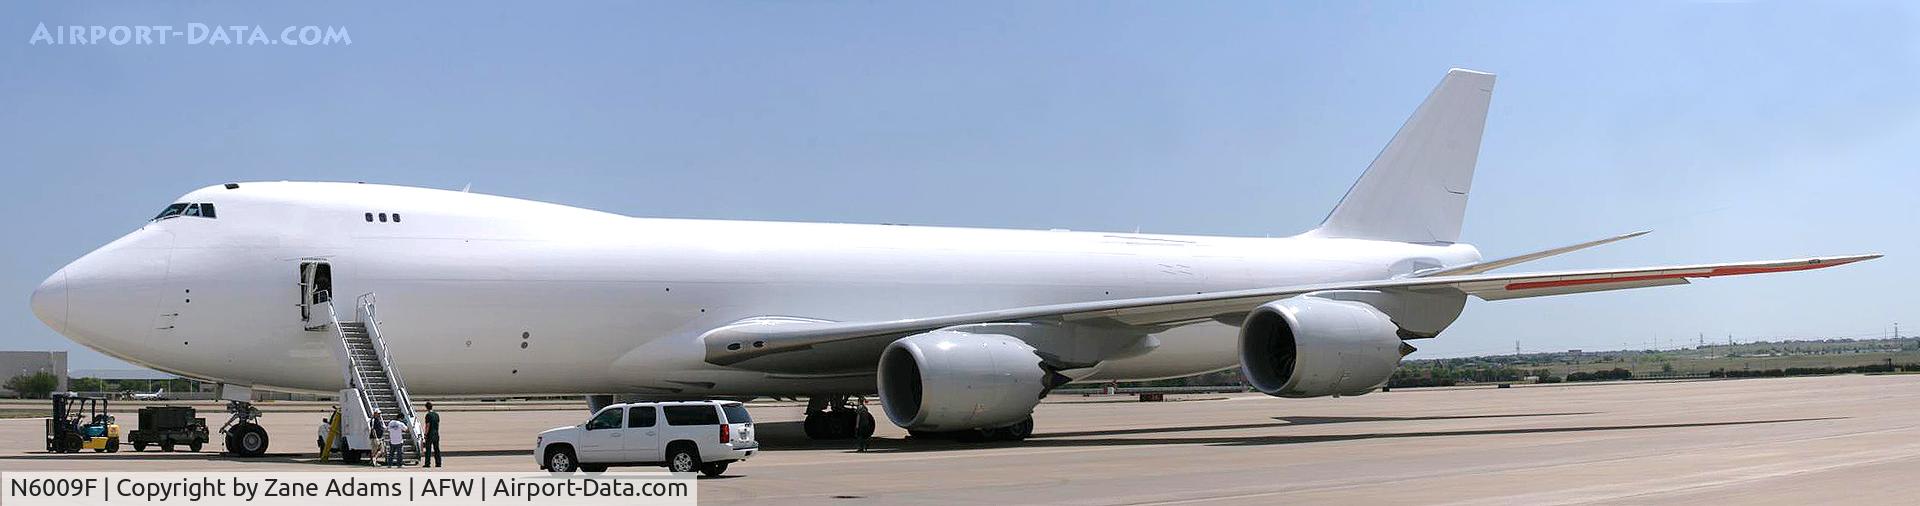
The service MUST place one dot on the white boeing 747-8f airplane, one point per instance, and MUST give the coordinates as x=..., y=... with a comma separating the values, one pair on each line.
x=958, y=330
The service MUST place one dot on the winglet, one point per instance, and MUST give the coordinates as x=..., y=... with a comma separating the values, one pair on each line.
x=1480, y=267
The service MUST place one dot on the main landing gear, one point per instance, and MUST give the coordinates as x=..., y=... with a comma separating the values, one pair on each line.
x=245, y=436
x=837, y=417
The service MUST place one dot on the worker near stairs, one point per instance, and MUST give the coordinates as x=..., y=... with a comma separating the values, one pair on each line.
x=432, y=448
x=396, y=441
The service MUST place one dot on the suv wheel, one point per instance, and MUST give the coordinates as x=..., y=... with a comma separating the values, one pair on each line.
x=714, y=469
x=683, y=459
x=561, y=461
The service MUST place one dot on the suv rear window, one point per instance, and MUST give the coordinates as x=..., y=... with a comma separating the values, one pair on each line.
x=691, y=415
x=736, y=413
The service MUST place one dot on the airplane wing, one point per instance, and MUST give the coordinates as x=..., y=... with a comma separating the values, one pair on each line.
x=763, y=337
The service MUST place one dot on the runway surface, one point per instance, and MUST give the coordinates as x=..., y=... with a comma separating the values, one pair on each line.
x=1756, y=441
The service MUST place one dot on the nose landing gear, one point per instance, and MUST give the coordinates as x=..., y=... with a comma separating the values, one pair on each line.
x=245, y=437
x=837, y=417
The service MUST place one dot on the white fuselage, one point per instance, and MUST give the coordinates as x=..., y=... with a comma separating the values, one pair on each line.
x=614, y=304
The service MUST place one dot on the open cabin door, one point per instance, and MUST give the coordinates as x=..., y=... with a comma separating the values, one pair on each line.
x=316, y=288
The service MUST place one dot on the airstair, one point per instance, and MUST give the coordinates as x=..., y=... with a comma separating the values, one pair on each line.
x=373, y=386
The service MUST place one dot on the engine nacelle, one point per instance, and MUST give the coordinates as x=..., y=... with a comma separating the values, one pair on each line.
x=1311, y=347
x=948, y=380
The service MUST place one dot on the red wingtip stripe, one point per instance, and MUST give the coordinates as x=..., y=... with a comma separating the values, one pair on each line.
x=1718, y=271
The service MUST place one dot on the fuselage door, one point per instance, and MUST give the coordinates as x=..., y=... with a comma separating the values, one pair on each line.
x=316, y=289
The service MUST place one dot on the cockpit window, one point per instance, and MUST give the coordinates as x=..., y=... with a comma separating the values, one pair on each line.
x=170, y=211
x=198, y=210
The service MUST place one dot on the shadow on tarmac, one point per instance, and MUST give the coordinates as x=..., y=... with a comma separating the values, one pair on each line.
x=777, y=435
x=311, y=458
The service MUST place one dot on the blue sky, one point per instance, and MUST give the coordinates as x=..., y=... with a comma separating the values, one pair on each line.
x=1735, y=130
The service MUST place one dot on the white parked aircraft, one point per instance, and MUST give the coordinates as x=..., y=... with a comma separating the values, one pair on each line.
x=958, y=330
x=157, y=395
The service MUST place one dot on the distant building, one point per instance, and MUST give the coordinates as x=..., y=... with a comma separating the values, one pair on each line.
x=123, y=374
x=22, y=363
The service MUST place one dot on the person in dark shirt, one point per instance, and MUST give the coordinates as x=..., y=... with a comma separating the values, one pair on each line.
x=430, y=455
x=863, y=425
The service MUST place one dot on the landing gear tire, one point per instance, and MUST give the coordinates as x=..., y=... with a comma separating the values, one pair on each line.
x=1015, y=432
x=247, y=439
x=1019, y=431
x=712, y=470
x=683, y=459
x=245, y=436
x=836, y=418
x=812, y=426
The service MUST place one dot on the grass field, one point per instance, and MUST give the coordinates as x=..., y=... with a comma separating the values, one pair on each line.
x=25, y=413
x=1656, y=364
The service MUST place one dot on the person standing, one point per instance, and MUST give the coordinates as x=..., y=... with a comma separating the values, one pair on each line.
x=378, y=451
x=863, y=425
x=432, y=448
x=396, y=441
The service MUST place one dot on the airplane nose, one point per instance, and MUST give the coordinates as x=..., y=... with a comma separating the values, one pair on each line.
x=50, y=301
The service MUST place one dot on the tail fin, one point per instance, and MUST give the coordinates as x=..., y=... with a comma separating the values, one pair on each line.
x=1416, y=189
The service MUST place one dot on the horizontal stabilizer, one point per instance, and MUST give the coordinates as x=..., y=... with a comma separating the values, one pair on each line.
x=1476, y=268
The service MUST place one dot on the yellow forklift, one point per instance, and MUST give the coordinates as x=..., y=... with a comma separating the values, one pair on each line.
x=81, y=423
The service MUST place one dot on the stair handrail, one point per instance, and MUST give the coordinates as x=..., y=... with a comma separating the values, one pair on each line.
x=348, y=362
x=365, y=310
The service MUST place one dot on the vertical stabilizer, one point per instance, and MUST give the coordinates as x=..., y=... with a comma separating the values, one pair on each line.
x=1416, y=189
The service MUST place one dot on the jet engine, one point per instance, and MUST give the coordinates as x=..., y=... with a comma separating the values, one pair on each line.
x=1311, y=347
x=949, y=380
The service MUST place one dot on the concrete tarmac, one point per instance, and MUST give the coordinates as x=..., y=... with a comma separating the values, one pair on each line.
x=1756, y=441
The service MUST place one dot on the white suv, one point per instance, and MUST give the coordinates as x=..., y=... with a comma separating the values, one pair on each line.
x=685, y=437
